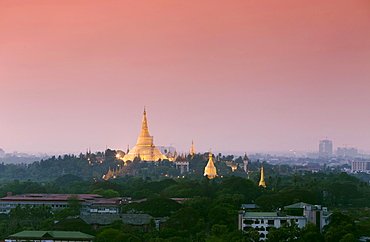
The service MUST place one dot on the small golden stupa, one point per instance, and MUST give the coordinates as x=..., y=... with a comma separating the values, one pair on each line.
x=210, y=170
x=192, y=152
x=262, y=180
x=144, y=149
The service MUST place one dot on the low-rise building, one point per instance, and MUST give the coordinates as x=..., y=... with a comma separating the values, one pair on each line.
x=141, y=221
x=109, y=206
x=90, y=203
x=50, y=236
x=360, y=166
x=299, y=213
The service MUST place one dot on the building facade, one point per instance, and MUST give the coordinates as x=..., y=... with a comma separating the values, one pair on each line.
x=326, y=148
x=347, y=152
x=360, y=166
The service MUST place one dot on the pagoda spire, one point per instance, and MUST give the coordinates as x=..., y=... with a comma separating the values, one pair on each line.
x=192, y=152
x=245, y=162
x=144, y=126
x=262, y=180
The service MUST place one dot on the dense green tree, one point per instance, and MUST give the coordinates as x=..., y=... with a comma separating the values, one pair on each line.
x=74, y=225
x=108, y=235
x=240, y=185
x=107, y=185
x=185, y=219
x=65, y=213
x=106, y=193
x=67, y=179
x=218, y=230
x=339, y=226
x=271, y=202
x=167, y=233
x=157, y=207
x=201, y=204
x=74, y=203
x=288, y=232
x=311, y=233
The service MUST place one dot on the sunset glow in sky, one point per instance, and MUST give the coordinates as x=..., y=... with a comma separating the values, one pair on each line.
x=244, y=75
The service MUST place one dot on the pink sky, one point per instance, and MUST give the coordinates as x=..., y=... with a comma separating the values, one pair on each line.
x=230, y=75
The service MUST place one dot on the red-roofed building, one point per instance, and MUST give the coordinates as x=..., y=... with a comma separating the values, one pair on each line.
x=90, y=203
x=109, y=206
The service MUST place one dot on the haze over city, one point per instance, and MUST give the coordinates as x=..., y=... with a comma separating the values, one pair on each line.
x=240, y=76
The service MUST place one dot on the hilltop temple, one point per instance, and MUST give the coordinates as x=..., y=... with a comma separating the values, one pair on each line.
x=144, y=149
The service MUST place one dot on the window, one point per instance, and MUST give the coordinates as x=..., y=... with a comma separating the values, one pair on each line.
x=270, y=222
x=247, y=228
x=248, y=221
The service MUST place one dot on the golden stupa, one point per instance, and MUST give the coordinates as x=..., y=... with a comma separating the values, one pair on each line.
x=192, y=152
x=262, y=179
x=210, y=170
x=144, y=149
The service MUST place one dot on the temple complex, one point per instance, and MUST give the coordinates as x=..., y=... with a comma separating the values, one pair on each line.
x=144, y=149
x=210, y=170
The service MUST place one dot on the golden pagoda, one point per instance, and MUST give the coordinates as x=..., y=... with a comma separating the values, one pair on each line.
x=262, y=180
x=210, y=170
x=192, y=152
x=144, y=149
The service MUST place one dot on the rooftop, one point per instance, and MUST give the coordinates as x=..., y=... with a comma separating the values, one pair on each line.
x=104, y=219
x=298, y=205
x=52, y=234
x=49, y=197
x=260, y=214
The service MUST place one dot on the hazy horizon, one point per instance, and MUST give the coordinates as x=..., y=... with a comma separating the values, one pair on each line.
x=243, y=76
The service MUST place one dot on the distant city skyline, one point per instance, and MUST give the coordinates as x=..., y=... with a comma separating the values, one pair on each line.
x=244, y=76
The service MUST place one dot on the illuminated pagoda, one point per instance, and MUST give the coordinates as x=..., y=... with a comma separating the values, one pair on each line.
x=192, y=152
x=144, y=149
x=210, y=170
x=262, y=180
